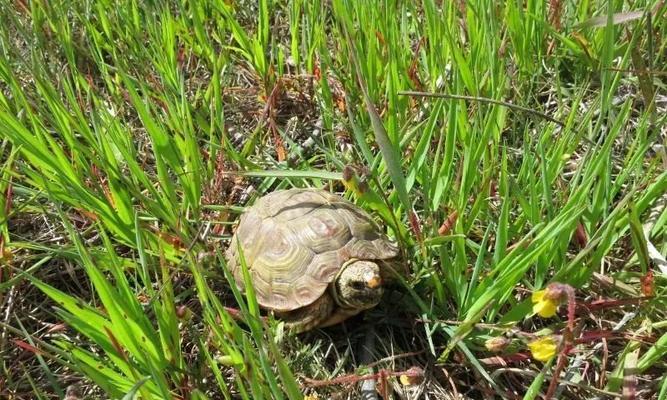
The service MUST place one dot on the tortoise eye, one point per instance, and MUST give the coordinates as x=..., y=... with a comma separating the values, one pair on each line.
x=357, y=285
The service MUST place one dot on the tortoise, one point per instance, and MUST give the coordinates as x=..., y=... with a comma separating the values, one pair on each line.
x=313, y=258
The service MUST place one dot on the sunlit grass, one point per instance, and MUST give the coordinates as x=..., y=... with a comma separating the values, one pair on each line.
x=135, y=129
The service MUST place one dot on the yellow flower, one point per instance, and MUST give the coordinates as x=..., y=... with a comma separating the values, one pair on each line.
x=543, y=349
x=413, y=376
x=406, y=380
x=543, y=304
x=6, y=255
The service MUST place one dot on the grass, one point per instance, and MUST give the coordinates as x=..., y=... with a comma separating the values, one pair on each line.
x=134, y=133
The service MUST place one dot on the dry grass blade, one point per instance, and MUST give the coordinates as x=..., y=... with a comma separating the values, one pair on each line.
x=483, y=100
x=507, y=149
x=617, y=18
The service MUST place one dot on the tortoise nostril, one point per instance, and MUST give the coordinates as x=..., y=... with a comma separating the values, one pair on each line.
x=374, y=282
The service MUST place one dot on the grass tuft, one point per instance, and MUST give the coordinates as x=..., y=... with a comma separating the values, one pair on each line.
x=504, y=145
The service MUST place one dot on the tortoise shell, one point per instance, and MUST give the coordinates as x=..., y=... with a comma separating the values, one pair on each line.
x=295, y=241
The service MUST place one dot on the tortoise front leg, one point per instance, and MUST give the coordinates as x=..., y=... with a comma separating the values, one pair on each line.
x=310, y=316
x=338, y=316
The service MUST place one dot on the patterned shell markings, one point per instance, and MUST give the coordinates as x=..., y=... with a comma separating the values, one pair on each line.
x=295, y=242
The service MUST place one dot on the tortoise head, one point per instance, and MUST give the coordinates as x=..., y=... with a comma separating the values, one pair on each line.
x=359, y=285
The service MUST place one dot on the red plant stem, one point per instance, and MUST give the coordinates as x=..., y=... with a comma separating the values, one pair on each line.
x=352, y=378
x=560, y=364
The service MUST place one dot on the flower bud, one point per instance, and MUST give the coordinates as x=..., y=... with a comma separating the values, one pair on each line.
x=497, y=344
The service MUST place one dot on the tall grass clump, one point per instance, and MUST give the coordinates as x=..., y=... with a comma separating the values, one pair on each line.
x=510, y=148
